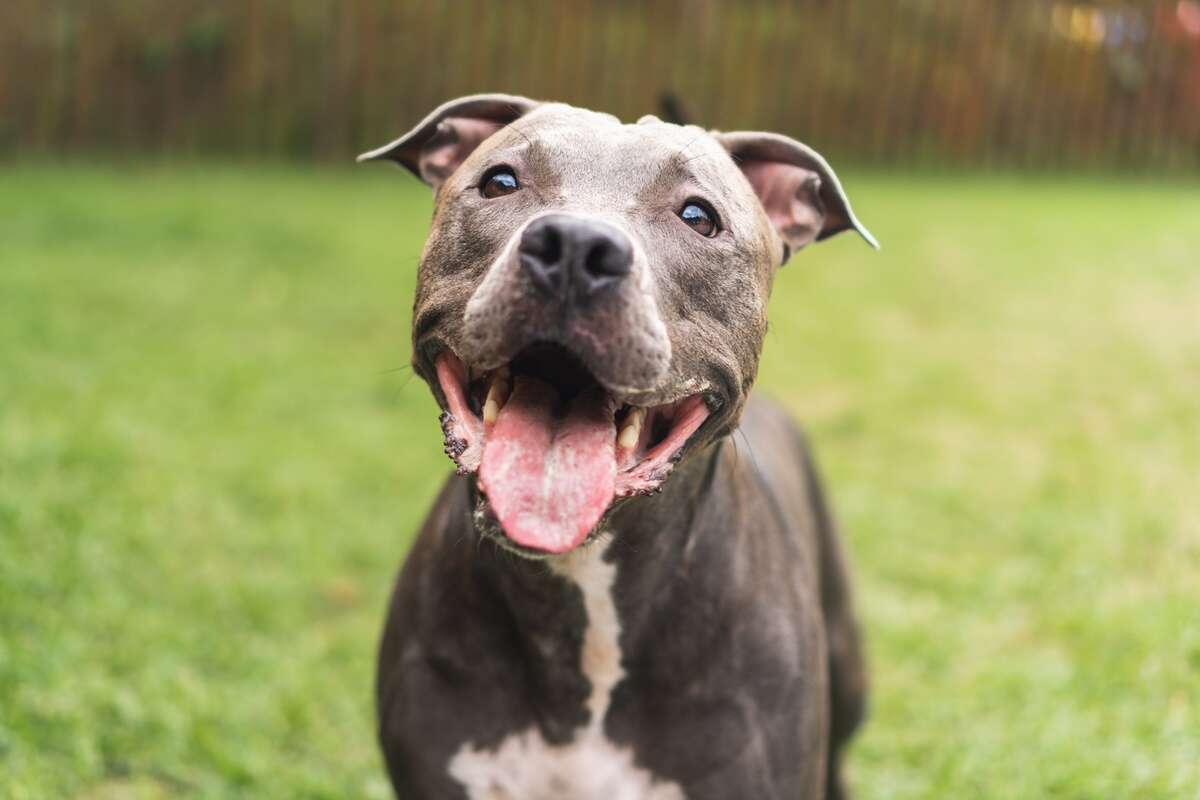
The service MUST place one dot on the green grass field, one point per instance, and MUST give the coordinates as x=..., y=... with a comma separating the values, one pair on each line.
x=213, y=456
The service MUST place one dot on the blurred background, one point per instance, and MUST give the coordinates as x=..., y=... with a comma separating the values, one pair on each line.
x=1023, y=83
x=213, y=454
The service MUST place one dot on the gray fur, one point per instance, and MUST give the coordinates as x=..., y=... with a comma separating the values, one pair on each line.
x=743, y=676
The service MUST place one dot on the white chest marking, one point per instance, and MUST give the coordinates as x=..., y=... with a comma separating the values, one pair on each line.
x=590, y=767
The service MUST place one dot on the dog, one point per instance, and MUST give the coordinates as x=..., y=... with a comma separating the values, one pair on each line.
x=611, y=599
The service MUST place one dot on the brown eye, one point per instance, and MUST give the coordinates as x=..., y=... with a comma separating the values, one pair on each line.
x=499, y=182
x=700, y=217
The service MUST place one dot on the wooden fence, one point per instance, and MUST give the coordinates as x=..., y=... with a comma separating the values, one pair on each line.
x=1024, y=83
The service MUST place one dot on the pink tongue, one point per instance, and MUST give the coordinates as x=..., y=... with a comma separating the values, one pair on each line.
x=549, y=478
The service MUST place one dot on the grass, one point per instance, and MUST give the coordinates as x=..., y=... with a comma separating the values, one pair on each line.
x=212, y=458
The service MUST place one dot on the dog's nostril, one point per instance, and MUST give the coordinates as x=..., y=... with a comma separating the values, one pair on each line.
x=545, y=244
x=607, y=259
x=541, y=254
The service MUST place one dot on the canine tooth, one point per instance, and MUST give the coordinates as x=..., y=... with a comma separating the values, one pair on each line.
x=490, y=411
x=496, y=397
x=631, y=431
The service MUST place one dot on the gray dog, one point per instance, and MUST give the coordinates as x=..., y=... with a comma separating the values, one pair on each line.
x=611, y=601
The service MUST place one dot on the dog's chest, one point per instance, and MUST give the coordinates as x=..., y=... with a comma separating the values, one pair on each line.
x=524, y=766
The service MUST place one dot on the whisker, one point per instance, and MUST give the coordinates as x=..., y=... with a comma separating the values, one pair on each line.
x=694, y=139
x=749, y=447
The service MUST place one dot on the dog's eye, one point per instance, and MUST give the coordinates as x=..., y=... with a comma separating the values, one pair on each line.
x=499, y=182
x=700, y=217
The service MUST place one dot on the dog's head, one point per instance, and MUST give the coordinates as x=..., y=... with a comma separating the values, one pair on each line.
x=591, y=302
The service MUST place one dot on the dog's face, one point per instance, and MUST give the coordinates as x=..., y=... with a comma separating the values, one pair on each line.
x=591, y=302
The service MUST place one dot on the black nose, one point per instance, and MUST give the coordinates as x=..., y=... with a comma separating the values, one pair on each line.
x=574, y=259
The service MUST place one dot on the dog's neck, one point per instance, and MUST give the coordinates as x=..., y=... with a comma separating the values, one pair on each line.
x=555, y=604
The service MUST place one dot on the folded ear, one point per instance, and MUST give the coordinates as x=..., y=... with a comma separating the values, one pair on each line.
x=443, y=140
x=796, y=186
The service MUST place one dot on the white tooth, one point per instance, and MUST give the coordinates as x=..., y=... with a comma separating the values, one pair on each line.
x=497, y=396
x=628, y=438
x=490, y=411
x=632, y=430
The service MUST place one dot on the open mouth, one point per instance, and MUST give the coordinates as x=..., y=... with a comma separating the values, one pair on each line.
x=552, y=447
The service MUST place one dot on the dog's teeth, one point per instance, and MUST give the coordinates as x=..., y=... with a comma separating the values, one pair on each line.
x=490, y=411
x=631, y=431
x=497, y=396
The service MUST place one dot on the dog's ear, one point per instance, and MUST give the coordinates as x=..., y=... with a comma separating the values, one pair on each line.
x=797, y=187
x=443, y=140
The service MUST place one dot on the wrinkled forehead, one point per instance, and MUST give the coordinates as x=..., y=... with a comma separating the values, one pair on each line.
x=589, y=150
